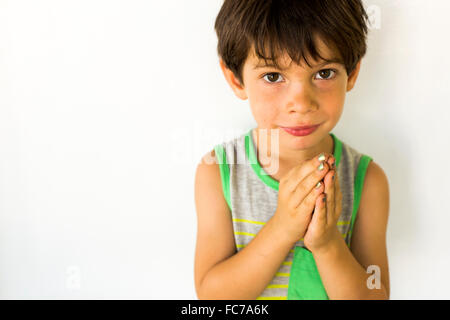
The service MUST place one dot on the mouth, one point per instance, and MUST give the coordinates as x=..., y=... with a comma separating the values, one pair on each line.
x=301, y=131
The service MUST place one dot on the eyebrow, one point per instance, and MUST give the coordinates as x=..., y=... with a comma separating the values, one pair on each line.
x=332, y=60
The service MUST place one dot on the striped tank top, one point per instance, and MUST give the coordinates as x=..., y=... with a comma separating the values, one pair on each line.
x=252, y=197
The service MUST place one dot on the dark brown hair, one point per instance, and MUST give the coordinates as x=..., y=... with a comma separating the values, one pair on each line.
x=290, y=25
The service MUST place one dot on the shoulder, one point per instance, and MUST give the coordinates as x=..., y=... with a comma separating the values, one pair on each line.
x=376, y=184
x=375, y=177
x=375, y=192
x=207, y=176
x=208, y=159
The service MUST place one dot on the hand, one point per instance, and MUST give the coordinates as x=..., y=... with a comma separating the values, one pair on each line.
x=297, y=197
x=322, y=230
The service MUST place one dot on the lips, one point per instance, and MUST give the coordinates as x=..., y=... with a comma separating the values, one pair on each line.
x=301, y=131
x=302, y=127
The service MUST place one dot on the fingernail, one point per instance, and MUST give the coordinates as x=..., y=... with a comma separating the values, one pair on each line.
x=321, y=166
x=322, y=157
x=318, y=185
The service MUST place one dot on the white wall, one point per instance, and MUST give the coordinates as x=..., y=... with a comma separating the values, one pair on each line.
x=107, y=106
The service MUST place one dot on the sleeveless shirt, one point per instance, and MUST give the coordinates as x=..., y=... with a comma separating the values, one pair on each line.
x=252, y=196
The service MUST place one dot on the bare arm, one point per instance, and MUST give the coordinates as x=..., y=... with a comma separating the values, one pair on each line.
x=220, y=272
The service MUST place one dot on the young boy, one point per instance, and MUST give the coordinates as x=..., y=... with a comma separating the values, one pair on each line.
x=265, y=228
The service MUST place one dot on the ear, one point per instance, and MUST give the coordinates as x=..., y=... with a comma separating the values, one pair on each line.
x=234, y=83
x=353, y=76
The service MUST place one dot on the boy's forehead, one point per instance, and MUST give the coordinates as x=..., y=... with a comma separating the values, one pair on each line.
x=285, y=61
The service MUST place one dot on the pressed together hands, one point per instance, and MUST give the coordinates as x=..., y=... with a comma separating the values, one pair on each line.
x=310, y=203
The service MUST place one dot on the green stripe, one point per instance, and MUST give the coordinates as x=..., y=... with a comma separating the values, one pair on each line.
x=337, y=149
x=340, y=223
x=262, y=174
x=359, y=183
x=224, y=172
x=251, y=155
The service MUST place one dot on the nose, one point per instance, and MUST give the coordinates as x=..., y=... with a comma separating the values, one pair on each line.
x=300, y=99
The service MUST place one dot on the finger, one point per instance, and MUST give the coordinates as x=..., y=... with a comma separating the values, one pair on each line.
x=329, y=190
x=306, y=203
x=293, y=171
x=338, y=208
x=319, y=217
x=338, y=198
x=304, y=187
x=332, y=162
x=302, y=170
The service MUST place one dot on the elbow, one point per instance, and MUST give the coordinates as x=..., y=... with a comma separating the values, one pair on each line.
x=212, y=289
x=205, y=290
x=203, y=294
x=383, y=297
x=385, y=293
x=378, y=294
x=200, y=291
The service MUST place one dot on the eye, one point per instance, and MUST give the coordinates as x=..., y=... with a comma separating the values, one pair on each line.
x=325, y=73
x=272, y=76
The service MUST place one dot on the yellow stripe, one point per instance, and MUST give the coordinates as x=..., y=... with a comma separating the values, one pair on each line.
x=249, y=221
x=343, y=234
x=340, y=223
x=291, y=251
x=277, y=286
x=271, y=298
x=244, y=233
x=285, y=262
x=282, y=274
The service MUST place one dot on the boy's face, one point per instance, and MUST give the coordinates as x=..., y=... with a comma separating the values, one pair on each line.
x=296, y=96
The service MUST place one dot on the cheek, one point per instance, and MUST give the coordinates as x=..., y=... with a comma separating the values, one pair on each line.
x=339, y=105
x=332, y=102
x=264, y=107
x=264, y=116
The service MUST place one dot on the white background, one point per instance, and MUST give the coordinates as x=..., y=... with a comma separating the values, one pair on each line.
x=107, y=106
